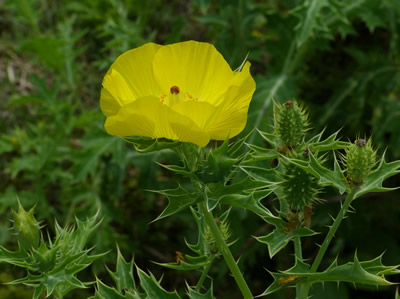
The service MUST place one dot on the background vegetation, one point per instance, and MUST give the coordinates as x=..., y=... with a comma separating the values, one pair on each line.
x=340, y=58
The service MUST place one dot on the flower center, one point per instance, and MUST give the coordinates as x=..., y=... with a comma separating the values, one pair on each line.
x=174, y=89
x=176, y=96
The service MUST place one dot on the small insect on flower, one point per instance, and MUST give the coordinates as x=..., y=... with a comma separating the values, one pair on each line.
x=289, y=279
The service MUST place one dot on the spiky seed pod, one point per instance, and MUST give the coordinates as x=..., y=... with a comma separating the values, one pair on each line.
x=26, y=227
x=209, y=237
x=359, y=159
x=290, y=122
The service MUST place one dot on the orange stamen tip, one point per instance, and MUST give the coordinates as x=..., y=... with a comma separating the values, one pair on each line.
x=175, y=89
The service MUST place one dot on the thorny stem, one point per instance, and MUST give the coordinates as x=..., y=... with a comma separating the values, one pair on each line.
x=224, y=250
x=328, y=239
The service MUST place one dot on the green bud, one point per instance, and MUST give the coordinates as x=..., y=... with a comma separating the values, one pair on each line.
x=45, y=258
x=359, y=160
x=300, y=188
x=26, y=227
x=290, y=122
x=219, y=164
x=209, y=237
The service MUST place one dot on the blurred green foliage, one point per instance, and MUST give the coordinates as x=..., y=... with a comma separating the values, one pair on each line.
x=341, y=58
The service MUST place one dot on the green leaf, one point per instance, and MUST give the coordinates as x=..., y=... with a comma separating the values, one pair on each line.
x=105, y=292
x=87, y=160
x=123, y=275
x=17, y=258
x=246, y=194
x=278, y=239
x=178, y=199
x=258, y=153
x=374, y=181
x=188, y=263
x=146, y=144
x=328, y=144
x=369, y=272
x=309, y=15
x=193, y=294
x=153, y=288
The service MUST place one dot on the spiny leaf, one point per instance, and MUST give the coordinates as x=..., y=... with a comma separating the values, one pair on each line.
x=123, y=275
x=193, y=294
x=310, y=20
x=178, y=199
x=374, y=181
x=153, y=288
x=258, y=153
x=278, y=239
x=104, y=292
x=330, y=143
x=187, y=263
x=369, y=272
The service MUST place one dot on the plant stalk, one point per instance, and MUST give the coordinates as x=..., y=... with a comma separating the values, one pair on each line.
x=226, y=253
x=328, y=239
x=204, y=274
x=299, y=256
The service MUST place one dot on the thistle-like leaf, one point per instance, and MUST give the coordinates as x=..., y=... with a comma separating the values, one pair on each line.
x=328, y=144
x=368, y=272
x=193, y=294
x=178, y=199
x=123, y=275
x=373, y=183
x=278, y=239
x=153, y=288
x=188, y=263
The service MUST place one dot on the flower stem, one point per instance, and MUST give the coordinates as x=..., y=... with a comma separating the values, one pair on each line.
x=299, y=256
x=328, y=239
x=204, y=274
x=297, y=248
x=224, y=250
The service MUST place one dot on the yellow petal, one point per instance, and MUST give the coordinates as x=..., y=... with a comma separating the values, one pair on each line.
x=129, y=77
x=231, y=116
x=199, y=112
x=148, y=117
x=196, y=68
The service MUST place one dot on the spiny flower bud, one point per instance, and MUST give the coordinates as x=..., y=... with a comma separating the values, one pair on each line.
x=290, y=121
x=209, y=237
x=45, y=258
x=218, y=164
x=300, y=188
x=359, y=160
x=26, y=227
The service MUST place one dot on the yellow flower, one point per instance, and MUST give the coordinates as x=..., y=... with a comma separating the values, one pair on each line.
x=184, y=91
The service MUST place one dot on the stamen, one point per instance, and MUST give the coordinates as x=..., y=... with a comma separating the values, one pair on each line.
x=174, y=89
x=162, y=98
